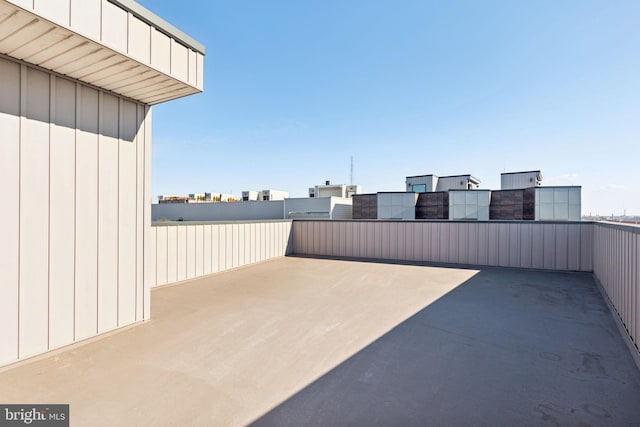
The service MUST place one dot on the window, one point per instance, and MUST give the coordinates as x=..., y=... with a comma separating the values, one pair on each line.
x=419, y=188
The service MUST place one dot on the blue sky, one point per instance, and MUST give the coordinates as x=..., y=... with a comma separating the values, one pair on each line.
x=294, y=88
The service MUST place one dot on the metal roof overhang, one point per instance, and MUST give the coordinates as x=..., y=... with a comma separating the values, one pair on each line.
x=33, y=39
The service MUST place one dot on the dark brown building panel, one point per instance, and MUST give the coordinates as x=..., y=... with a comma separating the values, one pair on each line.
x=433, y=205
x=512, y=204
x=365, y=206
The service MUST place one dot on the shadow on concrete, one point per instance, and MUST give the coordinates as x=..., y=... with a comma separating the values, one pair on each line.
x=507, y=347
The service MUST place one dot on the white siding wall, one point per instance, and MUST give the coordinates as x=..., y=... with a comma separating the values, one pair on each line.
x=124, y=32
x=617, y=267
x=71, y=254
x=552, y=246
x=514, y=181
x=188, y=251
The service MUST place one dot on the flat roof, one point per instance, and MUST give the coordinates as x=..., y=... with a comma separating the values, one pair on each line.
x=300, y=341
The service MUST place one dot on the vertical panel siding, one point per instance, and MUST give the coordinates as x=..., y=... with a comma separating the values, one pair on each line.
x=62, y=213
x=108, y=213
x=34, y=213
x=188, y=251
x=10, y=212
x=143, y=263
x=85, y=17
x=192, y=251
x=148, y=257
x=161, y=255
x=71, y=253
x=616, y=265
x=215, y=248
x=206, y=248
x=86, y=205
x=127, y=233
x=518, y=244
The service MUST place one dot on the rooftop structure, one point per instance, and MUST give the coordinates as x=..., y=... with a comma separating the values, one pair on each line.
x=429, y=183
x=303, y=207
x=335, y=190
x=251, y=195
x=519, y=180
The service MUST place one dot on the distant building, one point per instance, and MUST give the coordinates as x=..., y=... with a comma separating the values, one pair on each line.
x=197, y=198
x=334, y=190
x=457, y=197
x=430, y=183
x=518, y=180
x=251, y=195
x=303, y=207
x=274, y=195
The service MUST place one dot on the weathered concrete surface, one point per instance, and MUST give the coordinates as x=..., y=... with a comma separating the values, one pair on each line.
x=297, y=341
x=508, y=347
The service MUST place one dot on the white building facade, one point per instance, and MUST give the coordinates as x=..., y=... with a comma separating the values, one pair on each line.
x=78, y=79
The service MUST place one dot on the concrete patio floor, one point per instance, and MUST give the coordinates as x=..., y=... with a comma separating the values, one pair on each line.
x=299, y=341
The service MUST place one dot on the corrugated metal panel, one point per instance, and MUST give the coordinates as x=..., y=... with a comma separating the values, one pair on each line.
x=561, y=237
x=519, y=245
x=493, y=254
x=462, y=244
x=526, y=245
x=206, y=249
x=215, y=248
x=200, y=253
x=616, y=264
x=172, y=254
x=181, y=251
x=161, y=256
x=503, y=244
x=549, y=246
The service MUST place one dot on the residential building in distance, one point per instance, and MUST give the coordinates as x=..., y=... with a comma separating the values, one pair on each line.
x=430, y=183
x=303, y=207
x=252, y=196
x=197, y=198
x=334, y=190
x=457, y=197
x=274, y=195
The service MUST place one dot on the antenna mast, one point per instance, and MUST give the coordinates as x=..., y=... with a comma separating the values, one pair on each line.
x=351, y=170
